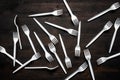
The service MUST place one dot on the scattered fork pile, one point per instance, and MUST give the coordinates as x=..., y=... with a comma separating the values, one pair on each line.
x=54, y=41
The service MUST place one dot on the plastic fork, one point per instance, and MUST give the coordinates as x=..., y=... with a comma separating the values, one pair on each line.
x=80, y=69
x=27, y=33
x=47, y=54
x=102, y=60
x=88, y=58
x=18, y=31
x=107, y=26
x=54, y=13
x=67, y=59
x=3, y=50
x=112, y=7
x=73, y=17
x=77, y=48
x=53, y=50
x=70, y=31
x=48, y=68
x=15, y=40
x=116, y=26
x=52, y=37
x=33, y=58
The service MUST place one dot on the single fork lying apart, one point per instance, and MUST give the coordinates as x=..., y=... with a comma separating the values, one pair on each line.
x=33, y=58
x=70, y=31
x=112, y=7
x=3, y=50
x=15, y=40
x=116, y=26
x=101, y=60
x=53, y=50
x=80, y=69
x=52, y=37
x=77, y=48
x=88, y=58
x=73, y=17
x=54, y=13
x=47, y=54
x=67, y=59
x=107, y=26
x=48, y=68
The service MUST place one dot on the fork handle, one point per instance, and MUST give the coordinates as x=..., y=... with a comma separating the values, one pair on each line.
x=113, y=56
x=79, y=32
x=95, y=38
x=73, y=74
x=100, y=14
x=14, y=54
x=40, y=14
x=56, y=26
x=41, y=26
x=91, y=70
x=67, y=6
x=112, y=41
x=32, y=45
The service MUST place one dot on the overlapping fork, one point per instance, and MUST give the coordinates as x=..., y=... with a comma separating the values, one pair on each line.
x=70, y=31
x=54, y=13
x=47, y=54
x=112, y=7
x=116, y=26
x=52, y=37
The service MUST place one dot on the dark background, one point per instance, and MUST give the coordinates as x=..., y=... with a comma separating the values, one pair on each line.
x=83, y=9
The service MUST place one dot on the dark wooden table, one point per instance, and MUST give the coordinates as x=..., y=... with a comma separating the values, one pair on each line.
x=83, y=9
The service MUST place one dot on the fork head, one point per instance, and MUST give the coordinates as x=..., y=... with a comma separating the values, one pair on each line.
x=58, y=12
x=73, y=32
x=68, y=62
x=77, y=51
x=53, y=39
x=25, y=29
x=75, y=20
x=115, y=6
x=2, y=49
x=108, y=25
x=117, y=23
x=101, y=60
x=82, y=67
x=48, y=57
x=87, y=54
x=15, y=37
x=36, y=56
x=52, y=47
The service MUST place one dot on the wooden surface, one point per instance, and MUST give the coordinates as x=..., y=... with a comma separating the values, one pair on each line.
x=83, y=9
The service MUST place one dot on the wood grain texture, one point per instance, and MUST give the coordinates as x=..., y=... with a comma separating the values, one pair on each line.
x=83, y=9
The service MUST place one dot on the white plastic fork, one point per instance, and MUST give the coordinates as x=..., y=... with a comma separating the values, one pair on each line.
x=33, y=58
x=18, y=31
x=88, y=58
x=27, y=33
x=47, y=54
x=112, y=7
x=52, y=37
x=102, y=60
x=3, y=50
x=15, y=40
x=77, y=48
x=116, y=26
x=54, y=13
x=81, y=68
x=53, y=50
x=48, y=68
x=67, y=59
x=73, y=17
x=70, y=31
x=107, y=26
